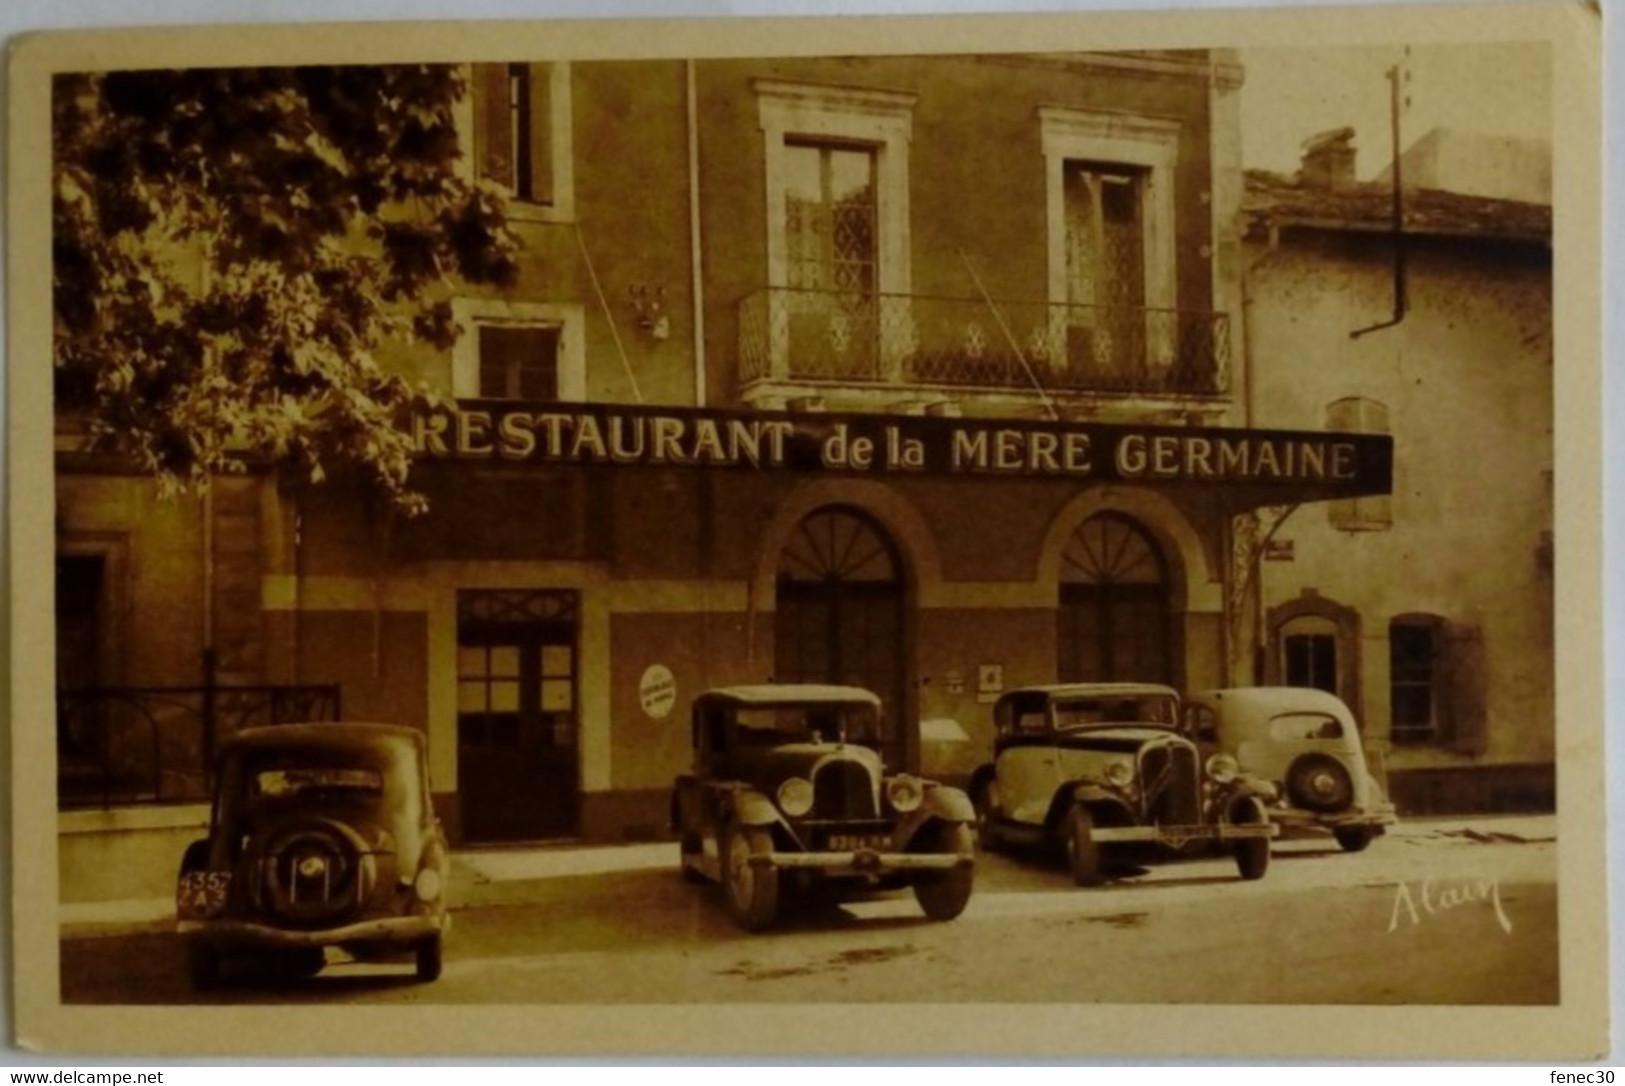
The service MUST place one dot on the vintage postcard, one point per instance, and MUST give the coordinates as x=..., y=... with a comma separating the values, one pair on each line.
x=957, y=537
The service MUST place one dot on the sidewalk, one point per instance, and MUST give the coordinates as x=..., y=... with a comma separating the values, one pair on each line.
x=521, y=875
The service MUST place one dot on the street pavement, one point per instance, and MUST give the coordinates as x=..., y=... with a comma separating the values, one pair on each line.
x=1439, y=911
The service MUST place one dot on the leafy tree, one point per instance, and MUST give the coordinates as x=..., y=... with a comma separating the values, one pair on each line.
x=233, y=247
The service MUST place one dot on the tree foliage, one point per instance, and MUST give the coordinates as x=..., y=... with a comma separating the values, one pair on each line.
x=232, y=249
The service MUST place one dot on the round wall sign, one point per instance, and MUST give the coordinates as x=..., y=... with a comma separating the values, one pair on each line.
x=657, y=691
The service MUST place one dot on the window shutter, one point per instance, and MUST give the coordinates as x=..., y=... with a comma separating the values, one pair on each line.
x=493, y=139
x=1356, y=414
x=1465, y=682
x=541, y=135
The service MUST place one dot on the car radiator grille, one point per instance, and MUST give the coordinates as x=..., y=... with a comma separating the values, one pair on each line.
x=1173, y=784
x=843, y=790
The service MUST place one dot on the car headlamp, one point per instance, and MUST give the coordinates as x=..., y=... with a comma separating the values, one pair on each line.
x=1223, y=768
x=796, y=796
x=1120, y=772
x=904, y=793
x=427, y=885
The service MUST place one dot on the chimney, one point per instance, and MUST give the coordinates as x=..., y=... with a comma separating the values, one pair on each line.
x=1328, y=160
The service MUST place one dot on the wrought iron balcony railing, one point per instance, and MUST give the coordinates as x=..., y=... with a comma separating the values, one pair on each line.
x=911, y=340
x=156, y=744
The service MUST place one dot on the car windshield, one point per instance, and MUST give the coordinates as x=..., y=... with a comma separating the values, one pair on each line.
x=772, y=724
x=310, y=780
x=1157, y=709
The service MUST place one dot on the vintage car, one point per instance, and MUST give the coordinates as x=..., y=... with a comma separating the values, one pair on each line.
x=1082, y=767
x=1307, y=743
x=788, y=793
x=320, y=835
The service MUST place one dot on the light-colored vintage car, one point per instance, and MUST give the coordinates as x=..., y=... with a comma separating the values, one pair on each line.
x=1307, y=742
x=1084, y=767
x=788, y=792
x=320, y=835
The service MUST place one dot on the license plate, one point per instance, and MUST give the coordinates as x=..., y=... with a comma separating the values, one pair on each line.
x=201, y=893
x=852, y=842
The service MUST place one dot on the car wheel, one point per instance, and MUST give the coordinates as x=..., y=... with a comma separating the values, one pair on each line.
x=429, y=962
x=1354, y=838
x=1082, y=850
x=981, y=797
x=752, y=890
x=1319, y=782
x=203, y=965
x=689, y=850
x=1252, y=853
x=943, y=895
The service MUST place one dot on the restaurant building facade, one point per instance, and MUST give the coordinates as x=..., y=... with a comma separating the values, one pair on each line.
x=919, y=373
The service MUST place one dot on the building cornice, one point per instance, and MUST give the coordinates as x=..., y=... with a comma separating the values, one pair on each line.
x=1226, y=75
x=834, y=97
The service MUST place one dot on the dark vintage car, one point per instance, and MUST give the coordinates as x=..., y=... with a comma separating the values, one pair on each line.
x=1308, y=744
x=320, y=835
x=788, y=792
x=1084, y=767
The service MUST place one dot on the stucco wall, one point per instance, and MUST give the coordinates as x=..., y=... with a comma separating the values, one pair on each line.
x=1467, y=380
x=154, y=579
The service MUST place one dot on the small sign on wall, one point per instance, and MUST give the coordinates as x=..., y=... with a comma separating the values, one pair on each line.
x=954, y=681
x=989, y=681
x=657, y=691
x=1279, y=550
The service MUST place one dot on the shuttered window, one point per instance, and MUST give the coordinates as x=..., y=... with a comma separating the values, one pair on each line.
x=516, y=141
x=1370, y=513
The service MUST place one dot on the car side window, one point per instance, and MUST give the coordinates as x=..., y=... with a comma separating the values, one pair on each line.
x=1201, y=724
x=1293, y=727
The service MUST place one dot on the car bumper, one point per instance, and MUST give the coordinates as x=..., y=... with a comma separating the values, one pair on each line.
x=391, y=929
x=864, y=861
x=1182, y=834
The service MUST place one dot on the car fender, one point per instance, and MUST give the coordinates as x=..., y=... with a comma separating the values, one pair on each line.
x=1097, y=798
x=196, y=857
x=949, y=804
x=940, y=804
x=1254, y=786
x=751, y=808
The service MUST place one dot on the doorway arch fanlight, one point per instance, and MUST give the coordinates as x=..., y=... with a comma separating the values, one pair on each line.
x=838, y=544
x=1114, y=614
x=840, y=609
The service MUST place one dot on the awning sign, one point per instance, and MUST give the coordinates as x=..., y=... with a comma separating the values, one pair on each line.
x=625, y=435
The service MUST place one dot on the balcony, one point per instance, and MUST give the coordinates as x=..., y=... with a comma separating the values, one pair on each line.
x=951, y=347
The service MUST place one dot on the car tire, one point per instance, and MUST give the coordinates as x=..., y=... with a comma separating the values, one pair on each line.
x=203, y=966
x=1082, y=850
x=981, y=797
x=943, y=895
x=1252, y=853
x=751, y=890
x=429, y=959
x=1354, y=838
x=689, y=851
x=1319, y=783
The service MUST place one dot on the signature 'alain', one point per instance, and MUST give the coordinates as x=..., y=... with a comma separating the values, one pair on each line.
x=1432, y=898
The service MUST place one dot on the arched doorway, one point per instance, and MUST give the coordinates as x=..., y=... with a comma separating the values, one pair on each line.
x=1114, y=615
x=840, y=612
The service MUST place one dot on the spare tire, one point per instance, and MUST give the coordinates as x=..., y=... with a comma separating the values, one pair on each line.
x=1319, y=783
x=314, y=872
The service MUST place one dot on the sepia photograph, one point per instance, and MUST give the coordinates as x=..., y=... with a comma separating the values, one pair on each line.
x=720, y=535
